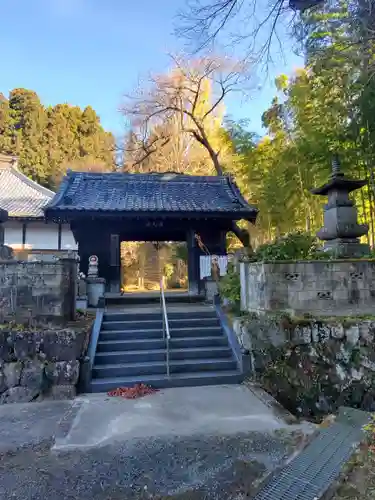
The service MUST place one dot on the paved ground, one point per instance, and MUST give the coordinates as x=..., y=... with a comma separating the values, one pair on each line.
x=186, y=444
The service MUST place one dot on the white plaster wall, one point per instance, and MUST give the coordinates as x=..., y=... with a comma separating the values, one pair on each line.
x=13, y=234
x=67, y=239
x=40, y=235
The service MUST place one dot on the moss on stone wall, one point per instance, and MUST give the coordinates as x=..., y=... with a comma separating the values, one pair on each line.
x=312, y=366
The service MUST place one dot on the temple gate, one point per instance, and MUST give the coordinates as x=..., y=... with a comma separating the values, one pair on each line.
x=106, y=209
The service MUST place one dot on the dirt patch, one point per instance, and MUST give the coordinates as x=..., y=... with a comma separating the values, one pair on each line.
x=358, y=480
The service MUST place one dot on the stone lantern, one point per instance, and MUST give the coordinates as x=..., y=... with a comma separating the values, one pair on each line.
x=341, y=231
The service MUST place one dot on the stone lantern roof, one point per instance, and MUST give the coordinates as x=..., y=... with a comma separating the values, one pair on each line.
x=338, y=181
x=341, y=230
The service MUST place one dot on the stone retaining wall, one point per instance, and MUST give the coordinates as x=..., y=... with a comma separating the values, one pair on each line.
x=38, y=289
x=256, y=332
x=40, y=364
x=312, y=366
x=324, y=288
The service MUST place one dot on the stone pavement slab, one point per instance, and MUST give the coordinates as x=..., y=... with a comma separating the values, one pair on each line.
x=188, y=411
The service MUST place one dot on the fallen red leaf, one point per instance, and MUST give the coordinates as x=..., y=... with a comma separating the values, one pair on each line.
x=137, y=391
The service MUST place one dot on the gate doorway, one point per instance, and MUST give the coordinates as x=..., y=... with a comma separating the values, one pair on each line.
x=145, y=263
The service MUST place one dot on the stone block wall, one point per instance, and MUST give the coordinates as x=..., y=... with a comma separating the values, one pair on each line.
x=324, y=288
x=38, y=289
x=260, y=334
x=40, y=364
x=312, y=367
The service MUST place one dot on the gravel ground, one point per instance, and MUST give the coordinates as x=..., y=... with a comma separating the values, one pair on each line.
x=177, y=468
x=191, y=444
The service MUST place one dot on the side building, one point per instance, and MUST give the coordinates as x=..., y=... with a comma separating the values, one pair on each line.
x=26, y=229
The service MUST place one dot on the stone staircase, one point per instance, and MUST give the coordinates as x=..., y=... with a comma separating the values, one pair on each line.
x=131, y=349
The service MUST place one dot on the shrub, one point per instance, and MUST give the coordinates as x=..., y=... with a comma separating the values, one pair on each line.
x=230, y=286
x=293, y=246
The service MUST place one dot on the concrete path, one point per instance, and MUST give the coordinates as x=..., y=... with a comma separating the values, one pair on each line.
x=217, y=410
x=187, y=444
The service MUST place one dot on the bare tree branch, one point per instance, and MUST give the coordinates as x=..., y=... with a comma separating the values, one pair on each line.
x=251, y=24
x=190, y=95
x=248, y=23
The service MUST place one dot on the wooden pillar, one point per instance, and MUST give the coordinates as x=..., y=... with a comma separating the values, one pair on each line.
x=98, y=245
x=193, y=263
x=84, y=253
x=115, y=264
x=222, y=243
x=59, y=236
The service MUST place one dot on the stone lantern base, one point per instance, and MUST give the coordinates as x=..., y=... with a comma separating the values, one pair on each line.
x=344, y=248
x=95, y=290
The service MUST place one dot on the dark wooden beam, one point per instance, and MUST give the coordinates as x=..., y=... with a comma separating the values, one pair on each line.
x=193, y=263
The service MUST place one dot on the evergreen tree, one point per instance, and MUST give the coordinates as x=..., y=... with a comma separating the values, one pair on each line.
x=6, y=145
x=50, y=140
x=28, y=122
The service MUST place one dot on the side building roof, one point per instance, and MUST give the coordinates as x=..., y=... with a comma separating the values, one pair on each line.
x=168, y=194
x=21, y=197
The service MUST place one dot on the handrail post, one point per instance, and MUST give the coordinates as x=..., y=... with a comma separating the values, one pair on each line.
x=168, y=374
x=166, y=333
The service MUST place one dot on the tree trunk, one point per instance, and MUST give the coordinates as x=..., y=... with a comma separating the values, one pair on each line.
x=203, y=139
x=242, y=235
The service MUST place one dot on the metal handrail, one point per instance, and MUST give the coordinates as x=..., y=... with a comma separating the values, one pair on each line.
x=166, y=332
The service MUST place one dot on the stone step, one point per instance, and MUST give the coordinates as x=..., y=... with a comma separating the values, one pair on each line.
x=146, y=344
x=144, y=324
x=155, y=367
x=175, y=380
x=152, y=298
x=112, y=357
x=143, y=315
x=157, y=333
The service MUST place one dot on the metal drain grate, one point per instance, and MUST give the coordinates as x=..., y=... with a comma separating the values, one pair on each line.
x=311, y=473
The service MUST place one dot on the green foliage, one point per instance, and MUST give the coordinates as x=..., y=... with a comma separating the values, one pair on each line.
x=230, y=286
x=326, y=107
x=293, y=246
x=48, y=140
x=180, y=252
x=168, y=270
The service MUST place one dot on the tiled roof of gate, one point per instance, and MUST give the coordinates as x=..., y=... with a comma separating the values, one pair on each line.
x=19, y=195
x=144, y=193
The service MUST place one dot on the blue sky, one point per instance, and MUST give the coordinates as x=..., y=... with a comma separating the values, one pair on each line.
x=91, y=52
